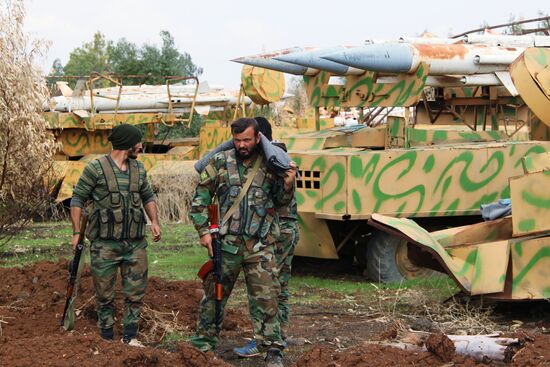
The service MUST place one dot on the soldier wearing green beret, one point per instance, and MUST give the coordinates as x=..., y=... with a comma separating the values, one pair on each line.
x=118, y=188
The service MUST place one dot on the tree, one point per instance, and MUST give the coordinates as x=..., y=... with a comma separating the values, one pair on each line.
x=92, y=56
x=126, y=58
x=26, y=146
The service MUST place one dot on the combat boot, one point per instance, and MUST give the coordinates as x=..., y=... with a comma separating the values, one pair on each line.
x=107, y=334
x=274, y=358
x=129, y=337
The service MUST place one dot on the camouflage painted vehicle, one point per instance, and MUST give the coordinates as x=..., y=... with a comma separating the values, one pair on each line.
x=81, y=121
x=470, y=110
x=505, y=259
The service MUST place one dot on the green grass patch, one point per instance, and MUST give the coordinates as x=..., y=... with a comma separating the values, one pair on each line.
x=179, y=256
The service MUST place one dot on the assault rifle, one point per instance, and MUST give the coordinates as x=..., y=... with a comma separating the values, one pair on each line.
x=214, y=265
x=217, y=262
x=67, y=321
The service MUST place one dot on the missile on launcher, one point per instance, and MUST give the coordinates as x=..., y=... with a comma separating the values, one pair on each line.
x=312, y=59
x=443, y=59
x=506, y=40
x=268, y=61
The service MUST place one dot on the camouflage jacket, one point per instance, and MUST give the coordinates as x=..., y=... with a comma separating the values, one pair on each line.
x=223, y=178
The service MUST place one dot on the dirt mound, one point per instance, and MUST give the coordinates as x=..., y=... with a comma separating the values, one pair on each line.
x=31, y=303
x=373, y=355
x=535, y=352
x=32, y=299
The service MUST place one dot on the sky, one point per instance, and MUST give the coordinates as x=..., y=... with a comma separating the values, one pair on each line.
x=214, y=32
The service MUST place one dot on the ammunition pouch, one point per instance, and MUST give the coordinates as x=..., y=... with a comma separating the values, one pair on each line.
x=118, y=215
x=257, y=212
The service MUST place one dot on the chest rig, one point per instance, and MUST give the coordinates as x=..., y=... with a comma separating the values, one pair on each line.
x=119, y=214
x=256, y=212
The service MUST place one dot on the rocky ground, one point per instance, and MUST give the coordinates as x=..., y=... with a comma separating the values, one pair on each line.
x=336, y=331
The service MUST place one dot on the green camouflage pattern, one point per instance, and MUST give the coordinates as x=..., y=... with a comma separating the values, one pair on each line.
x=507, y=258
x=536, y=163
x=101, y=121
x=284, y=253
x=532, y=80
x=363, y=91
x=444, y=180
x=241, y=248
x=68, y=172
x=107, y=257
x=256, y=215
x=483, y=258
x=263, y=86
x=531, y=202
x=454, y=180
x=259, y=270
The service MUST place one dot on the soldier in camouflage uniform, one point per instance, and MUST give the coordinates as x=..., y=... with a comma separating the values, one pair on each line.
x=118, y=188
x=284, y=253
x=248, y=235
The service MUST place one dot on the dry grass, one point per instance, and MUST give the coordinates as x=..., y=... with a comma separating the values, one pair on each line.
x=156, y=325
x=174, y=194
x=462, y=318
x=26, y=146
x=417, y=306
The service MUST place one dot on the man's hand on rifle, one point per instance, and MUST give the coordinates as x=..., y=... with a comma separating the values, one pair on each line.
x=206, y=241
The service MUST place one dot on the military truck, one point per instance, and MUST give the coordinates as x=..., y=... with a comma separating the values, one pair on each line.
x=444, y=123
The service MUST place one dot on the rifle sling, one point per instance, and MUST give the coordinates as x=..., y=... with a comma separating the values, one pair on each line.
x=243, y=192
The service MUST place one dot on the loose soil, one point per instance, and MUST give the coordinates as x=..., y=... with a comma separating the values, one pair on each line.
x=325, y=333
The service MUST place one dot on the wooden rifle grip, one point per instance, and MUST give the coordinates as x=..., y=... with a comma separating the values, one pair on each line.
x=213, y=214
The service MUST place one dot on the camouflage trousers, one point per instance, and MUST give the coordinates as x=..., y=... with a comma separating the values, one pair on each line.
x=106, y=258
x=284, y=253
x=261, y=285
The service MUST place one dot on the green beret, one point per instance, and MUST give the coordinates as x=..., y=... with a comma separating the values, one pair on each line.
x=125, y=136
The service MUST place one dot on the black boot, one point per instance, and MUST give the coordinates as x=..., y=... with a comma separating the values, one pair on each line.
x=130, y=333
x=107, y=334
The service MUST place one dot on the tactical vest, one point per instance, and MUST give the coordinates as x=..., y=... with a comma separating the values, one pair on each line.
x=256, y=212
x=118, y=215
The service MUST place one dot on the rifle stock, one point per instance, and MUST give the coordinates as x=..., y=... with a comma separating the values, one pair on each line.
x=73, y=268
x=217, y=260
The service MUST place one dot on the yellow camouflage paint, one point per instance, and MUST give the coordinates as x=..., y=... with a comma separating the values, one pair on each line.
x=532, y=80
x=432, y=181
x=531, y=203
x=69, y=171
x=363, y=90
x=508, y=269
x=263, y=86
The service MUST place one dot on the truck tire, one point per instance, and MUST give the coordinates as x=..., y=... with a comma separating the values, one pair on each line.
x=381, y=258
x=387, y=260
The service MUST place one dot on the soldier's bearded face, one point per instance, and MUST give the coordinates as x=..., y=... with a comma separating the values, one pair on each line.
x=135, y=150
x=246, y=143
